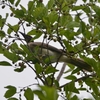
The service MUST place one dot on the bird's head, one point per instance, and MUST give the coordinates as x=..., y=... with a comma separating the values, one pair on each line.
x=27, y=38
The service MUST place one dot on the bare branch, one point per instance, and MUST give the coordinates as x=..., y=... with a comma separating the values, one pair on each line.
x=61, y=72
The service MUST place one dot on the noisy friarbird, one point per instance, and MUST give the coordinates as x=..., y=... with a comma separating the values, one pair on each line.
x=55, y=54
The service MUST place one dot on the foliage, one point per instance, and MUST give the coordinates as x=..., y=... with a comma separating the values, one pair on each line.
x=76, y=27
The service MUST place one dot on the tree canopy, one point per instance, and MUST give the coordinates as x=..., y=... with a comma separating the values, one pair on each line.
x=74, y=25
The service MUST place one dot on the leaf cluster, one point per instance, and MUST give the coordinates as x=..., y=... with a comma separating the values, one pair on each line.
x=75, y=27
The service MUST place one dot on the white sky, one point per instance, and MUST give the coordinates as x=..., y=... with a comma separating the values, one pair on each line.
x=7, y=74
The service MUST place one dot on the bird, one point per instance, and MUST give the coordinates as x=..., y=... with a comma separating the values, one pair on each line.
x=54, y=54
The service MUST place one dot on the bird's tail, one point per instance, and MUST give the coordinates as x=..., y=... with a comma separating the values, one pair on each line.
x=79, y=63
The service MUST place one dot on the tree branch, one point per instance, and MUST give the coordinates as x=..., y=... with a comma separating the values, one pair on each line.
x=81, y=78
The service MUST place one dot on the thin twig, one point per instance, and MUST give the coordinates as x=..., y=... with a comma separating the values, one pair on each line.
x=81, y=78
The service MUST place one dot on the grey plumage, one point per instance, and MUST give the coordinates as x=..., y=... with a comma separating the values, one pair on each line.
x=58, y=55
x=55, y=55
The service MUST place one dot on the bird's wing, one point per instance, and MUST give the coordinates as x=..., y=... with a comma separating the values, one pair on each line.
x=45, y=46
x=60, y=53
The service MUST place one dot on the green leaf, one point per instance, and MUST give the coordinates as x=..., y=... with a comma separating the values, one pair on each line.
x=19, y=69
x=12, y=56
x=95, y=96
x=17, y=3
x=56, y=82
x=79, y=46
x=40, y=94
x=2, y=22
x=2, y=34
x=9, y=31
x=23, y=8
x=38, y=68
x=29, y=56
x=82, y=27
x=84, y=1
x=75, y=71
x=96, y=9
x=78, y=8
x=64, y=20
x=15, y=49
x=46, y=93
x=11, y=1
x=87, y=34
x=50, y=4
x=36, y=33
x=51, y=92
x=92, y=85
x=12, y=99
x=30, y=7
x=5, y=63
x=19, y=13
x=50, y=69
x=68, y=34
x=39, y=13
x=14, y=28
x=69, y=47
x=25, y=49
x=74, y=98
x=73, y=24
x=70, y=87
x=71, y=77
x=29, y=94
x=87, y=9
x=53, y=17
x=14, y=45
x=1, y=48
x=10, y=92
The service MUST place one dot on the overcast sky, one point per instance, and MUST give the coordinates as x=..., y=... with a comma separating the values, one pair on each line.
x=7, y=74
